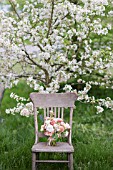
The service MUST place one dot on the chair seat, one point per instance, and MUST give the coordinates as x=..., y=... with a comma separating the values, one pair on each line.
x=60, y=147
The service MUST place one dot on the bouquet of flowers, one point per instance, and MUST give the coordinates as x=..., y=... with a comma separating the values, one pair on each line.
x=54, y=128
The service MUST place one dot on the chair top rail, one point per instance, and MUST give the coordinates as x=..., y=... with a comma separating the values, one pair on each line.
x=53, y=99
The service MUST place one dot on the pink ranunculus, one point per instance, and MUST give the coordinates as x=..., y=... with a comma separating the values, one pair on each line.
x=55, y=126
x=55, y=119
x=61, y=128
x=52, y=122
x=62, y=124
x=59, y=120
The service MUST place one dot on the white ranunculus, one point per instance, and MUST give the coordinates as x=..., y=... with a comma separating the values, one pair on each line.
x=50, y=128
x=47, y=122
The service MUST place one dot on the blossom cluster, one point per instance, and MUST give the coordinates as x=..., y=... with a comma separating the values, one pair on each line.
x=21, y=108
x=17, y=98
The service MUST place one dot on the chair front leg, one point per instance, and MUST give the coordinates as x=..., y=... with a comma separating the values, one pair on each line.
x=33, y=161
x=70, y=161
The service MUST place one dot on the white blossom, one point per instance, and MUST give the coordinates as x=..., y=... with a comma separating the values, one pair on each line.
x=99, y=109
x=67, y=88
x=64, y=50
x=24, y=112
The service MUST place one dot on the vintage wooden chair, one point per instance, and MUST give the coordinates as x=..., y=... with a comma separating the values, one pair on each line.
x=56, y=102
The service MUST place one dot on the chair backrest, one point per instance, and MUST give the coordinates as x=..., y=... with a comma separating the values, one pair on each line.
x=55, y=102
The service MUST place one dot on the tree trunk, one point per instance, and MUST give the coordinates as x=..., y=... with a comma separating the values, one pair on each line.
x=2, y=90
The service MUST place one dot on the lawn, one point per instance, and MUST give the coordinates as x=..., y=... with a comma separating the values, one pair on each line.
x=92, y=136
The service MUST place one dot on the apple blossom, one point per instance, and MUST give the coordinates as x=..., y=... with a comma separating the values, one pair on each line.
x=99, y=109
x=64, y=35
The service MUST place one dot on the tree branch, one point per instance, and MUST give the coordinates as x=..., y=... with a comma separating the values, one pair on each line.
x=35, y=76
x=61, y=19
x=37, y=43
x=13, y=7
x=40, y=47
x=50, y=20
x=35, y=63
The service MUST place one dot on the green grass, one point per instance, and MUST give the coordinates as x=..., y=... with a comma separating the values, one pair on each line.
x=92, y=137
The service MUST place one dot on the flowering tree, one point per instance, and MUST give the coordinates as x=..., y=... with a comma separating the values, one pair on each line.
x=68, y=37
